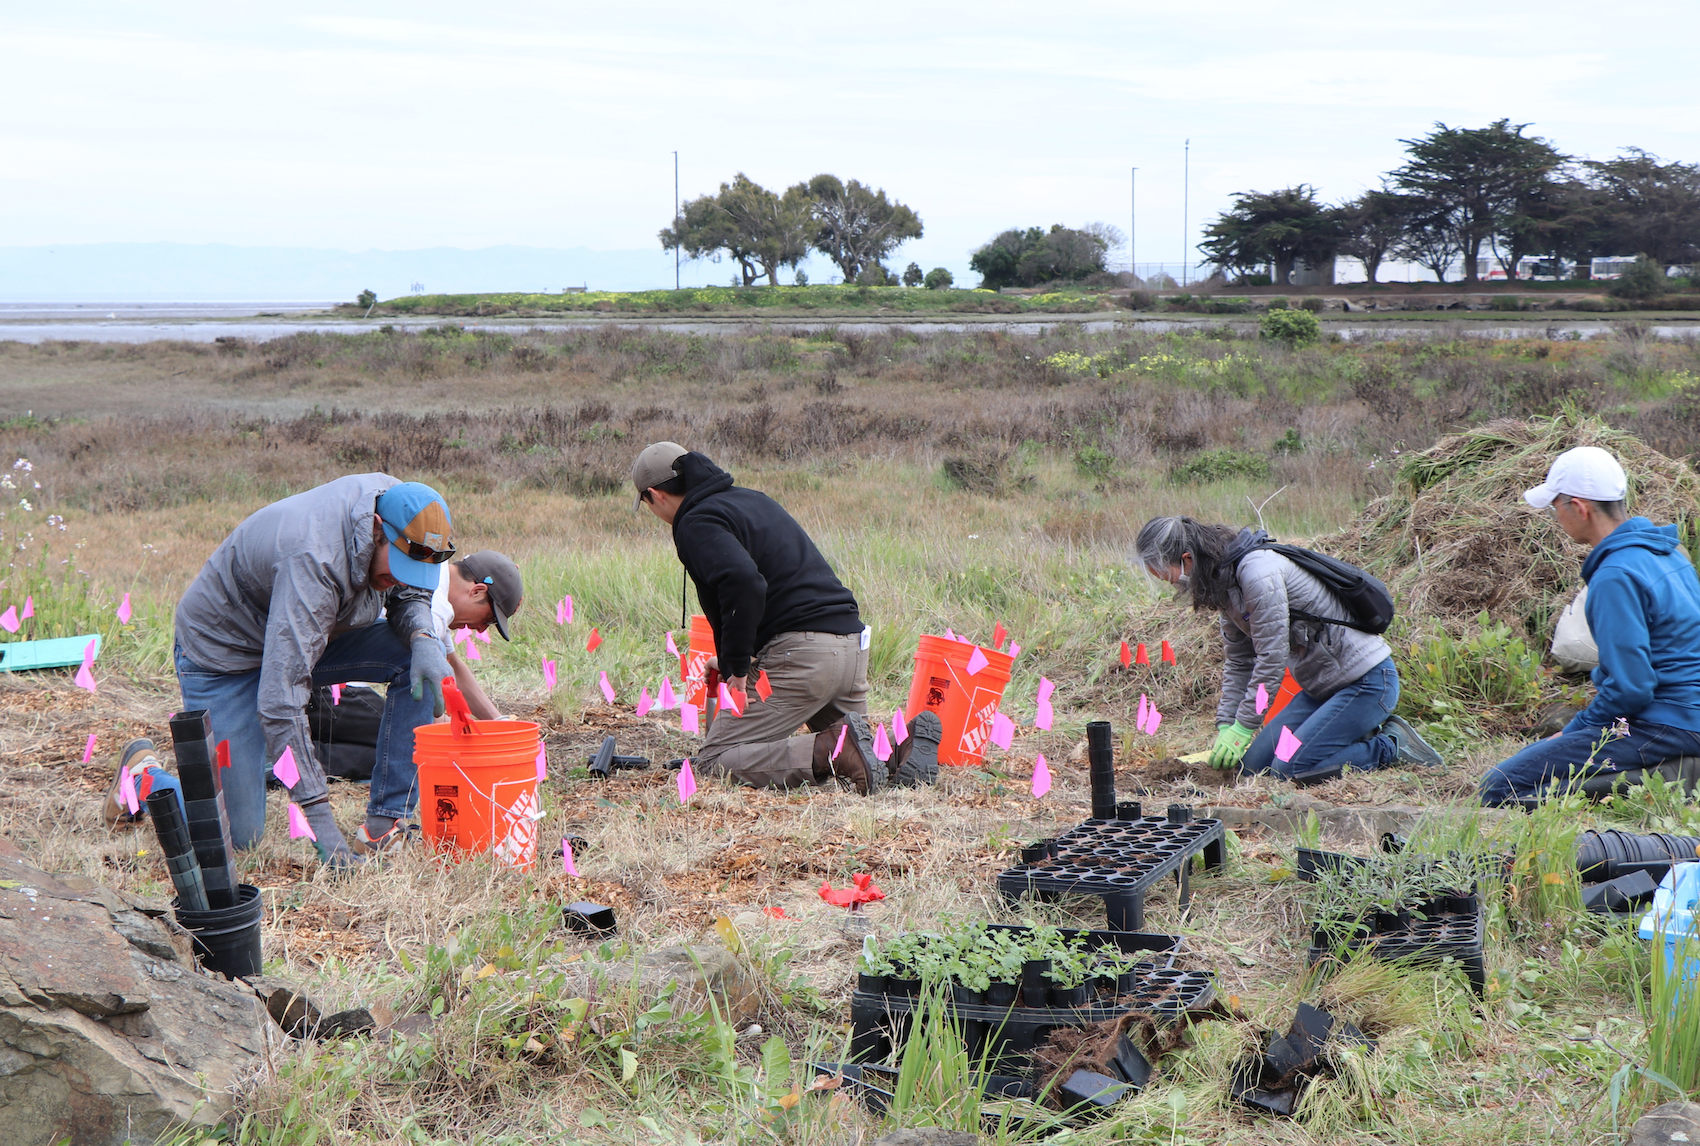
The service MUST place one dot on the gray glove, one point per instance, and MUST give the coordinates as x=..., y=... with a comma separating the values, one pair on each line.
x=329, y=842
x=430, y=666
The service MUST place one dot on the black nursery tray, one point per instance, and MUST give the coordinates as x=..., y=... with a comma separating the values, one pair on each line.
x=879, y=1021
x=1441, y=935
x=1118, y=860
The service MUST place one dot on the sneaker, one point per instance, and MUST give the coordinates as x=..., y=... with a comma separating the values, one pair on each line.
x=136, y=755
x=919, y=763
x=1411, y=748
x=399, y=836
x=857, y=763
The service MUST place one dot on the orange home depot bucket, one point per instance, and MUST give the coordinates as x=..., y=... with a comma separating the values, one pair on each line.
x=693, y=662
x=966, y=703
x=478, y=791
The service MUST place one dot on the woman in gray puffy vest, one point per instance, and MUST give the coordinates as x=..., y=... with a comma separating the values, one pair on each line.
x=1343, y=717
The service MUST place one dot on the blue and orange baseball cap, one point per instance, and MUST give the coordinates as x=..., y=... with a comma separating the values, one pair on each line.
x=416, y=520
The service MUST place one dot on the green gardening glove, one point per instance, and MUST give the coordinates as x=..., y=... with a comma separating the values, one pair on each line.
x=1231, y=742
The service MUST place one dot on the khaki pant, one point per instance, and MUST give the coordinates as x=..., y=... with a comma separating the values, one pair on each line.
x=817, y=678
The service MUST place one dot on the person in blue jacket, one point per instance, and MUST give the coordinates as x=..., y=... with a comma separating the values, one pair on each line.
x=1644, y=611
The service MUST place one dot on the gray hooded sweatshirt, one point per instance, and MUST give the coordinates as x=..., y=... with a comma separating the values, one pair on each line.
x=274, y=593
x=1261, y=639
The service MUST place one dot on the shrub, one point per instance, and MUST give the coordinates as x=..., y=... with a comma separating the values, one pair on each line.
x=1220, y=465
x=1256, y=280
x=801, y=278
x=1278, y=304
x=1489, y=678
x=1506, y=302
x=938, y=279
x=1312, y=304
x=1643, y=279
x=1294, y=327
x=1094, y=463
x=367, y=299
x=912, y=276
x=993, y=473
x=1288, y=444
x=1138, y=299
x=1599, y=304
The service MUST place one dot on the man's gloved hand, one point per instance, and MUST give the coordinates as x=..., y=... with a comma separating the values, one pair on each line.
x=430, y=666
x=1231, y=742
x=333, y=849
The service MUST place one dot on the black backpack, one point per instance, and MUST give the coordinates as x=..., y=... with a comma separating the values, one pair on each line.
x=1365, y=599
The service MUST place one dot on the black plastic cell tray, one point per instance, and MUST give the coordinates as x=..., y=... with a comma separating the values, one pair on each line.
x=879, y=1022
x=1119, y=861
x=1440, y=936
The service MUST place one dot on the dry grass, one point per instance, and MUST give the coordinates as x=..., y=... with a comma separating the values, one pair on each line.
x=530, y=435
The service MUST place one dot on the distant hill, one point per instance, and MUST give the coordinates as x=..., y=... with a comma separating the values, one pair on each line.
x=116, y=272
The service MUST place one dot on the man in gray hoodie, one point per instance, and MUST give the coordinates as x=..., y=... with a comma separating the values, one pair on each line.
x=291, y=600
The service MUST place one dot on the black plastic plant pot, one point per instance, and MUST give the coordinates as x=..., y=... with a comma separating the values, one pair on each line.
x=1087, y=1092
x=1459, y=904
x=1036, y=973
x=1000, y=994
x=1126, y=982
x=1076, y=996
x=967, y=996
x=1391, y=922
x=872, y=984
x=1039, y=852
x=1331, y=933
x=1129, y=810
x=898, y=985
x=589, y=918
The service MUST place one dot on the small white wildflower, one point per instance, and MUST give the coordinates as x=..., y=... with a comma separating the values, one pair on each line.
x=23, y=504
x=22, y=464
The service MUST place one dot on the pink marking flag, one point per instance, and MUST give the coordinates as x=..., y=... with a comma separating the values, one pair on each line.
x=548, y=675
x=483, y=636
x=976, y=661
x=560, y=612
x=1153, y=721
x=644, y=702
x=298, y=825
x=899, y=730
x=668, y=700
x=567, y=857
x=29, y=608
x=948, y=634
x=85, y=677
x=124, y=613
x=729, y=701
x=88, y=749
x=671, y=647
x=542, y=763
x=336, y=694
x=998, y=634
x=1262, y=698
x=9, y=619
x=285, y=769
x=839, y=747
x=1041, y=777
x=688, y=718
x=1287, y=745
x=607, y=689
x=567, y=609
x=882, y=743
x=1003, y=731
x=472, y=653
x=1043, y=719
x=127, y=791
x=1144, y=713
x=687, y=780
x=1014, y=650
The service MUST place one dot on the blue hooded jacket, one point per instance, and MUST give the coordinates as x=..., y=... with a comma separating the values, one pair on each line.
x=1644, y=610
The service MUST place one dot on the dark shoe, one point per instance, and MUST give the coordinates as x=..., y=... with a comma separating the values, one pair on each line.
x=856, y=764
x=113, y=813
x=919, y=761
x=1411, y=748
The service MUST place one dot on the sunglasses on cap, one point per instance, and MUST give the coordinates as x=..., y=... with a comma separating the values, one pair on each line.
x=421, y=552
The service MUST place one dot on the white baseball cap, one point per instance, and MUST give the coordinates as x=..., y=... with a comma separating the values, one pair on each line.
x=1587, y=472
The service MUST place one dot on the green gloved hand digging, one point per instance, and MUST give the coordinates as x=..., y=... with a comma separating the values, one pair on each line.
x=1231, y=742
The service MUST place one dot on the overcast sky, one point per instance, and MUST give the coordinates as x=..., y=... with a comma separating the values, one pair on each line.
x=553, y=124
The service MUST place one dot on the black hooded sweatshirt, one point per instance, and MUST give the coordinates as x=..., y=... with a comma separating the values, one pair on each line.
x=757, y=573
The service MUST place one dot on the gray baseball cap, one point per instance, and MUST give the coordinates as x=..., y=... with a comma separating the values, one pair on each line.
x=654, y=466
x=498, y=572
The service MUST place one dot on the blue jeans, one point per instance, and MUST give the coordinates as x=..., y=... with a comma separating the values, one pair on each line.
x=370, y=654
x=1335, y=734
x=1528, y=773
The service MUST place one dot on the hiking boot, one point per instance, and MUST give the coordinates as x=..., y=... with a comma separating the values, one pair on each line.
x=136, y=755
x=399, y=836
x=1410, y=748
x=856, y=764
x=918, y=756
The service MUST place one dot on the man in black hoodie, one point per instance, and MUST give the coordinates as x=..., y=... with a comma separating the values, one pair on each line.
x=775, y=605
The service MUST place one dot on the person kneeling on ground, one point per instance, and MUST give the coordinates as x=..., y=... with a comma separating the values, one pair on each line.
x=291, y=600
x=481, y=589
x=1643, y=608
x=775, y=605
x=1343, y=717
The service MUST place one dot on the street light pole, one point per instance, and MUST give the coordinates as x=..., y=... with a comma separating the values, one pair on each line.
x=677, y=238
x=1186, y=191
x=1132, y=224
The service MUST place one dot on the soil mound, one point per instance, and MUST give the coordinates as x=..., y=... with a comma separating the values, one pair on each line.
x=1455, y=538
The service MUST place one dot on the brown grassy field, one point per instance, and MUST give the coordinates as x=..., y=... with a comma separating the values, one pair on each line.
x=954, y=480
